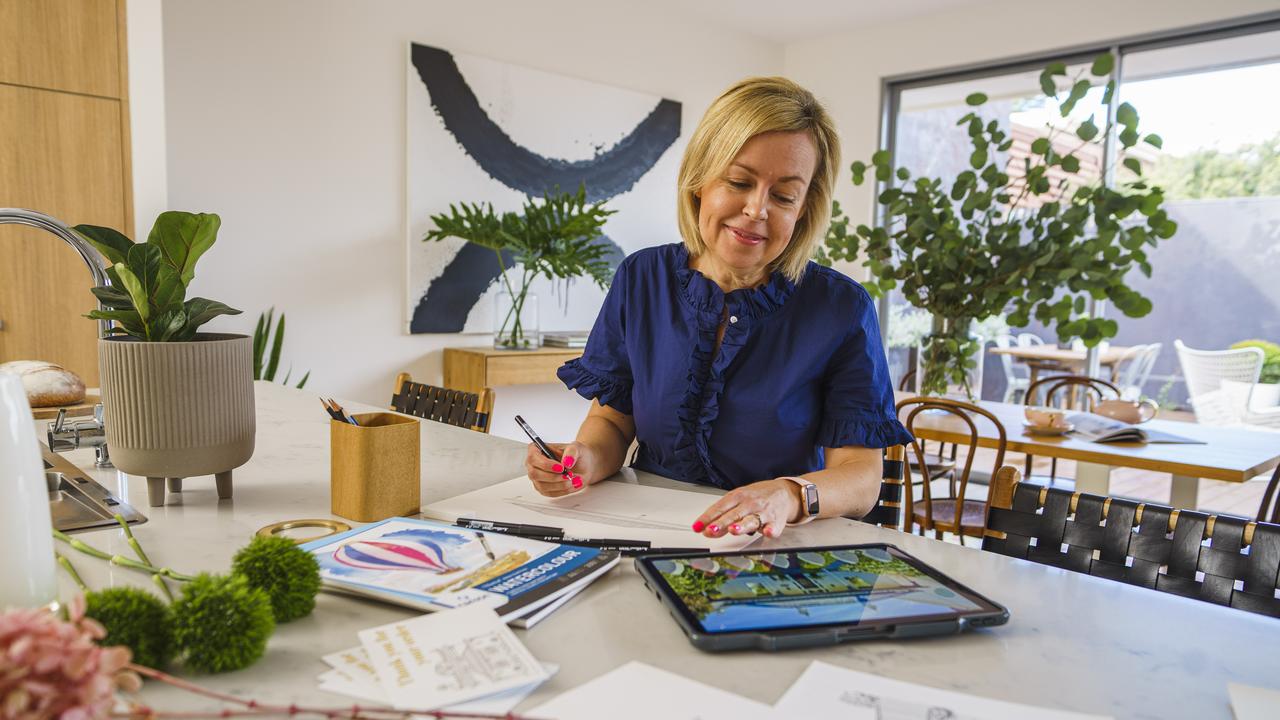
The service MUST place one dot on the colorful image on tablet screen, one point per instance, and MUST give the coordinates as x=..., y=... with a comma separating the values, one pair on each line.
x=792, y=589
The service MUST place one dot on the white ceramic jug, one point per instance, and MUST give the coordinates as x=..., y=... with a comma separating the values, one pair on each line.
x=27, y=567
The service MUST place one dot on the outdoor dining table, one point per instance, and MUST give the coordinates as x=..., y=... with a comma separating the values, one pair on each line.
x=1229, y=454
x=1051, y=358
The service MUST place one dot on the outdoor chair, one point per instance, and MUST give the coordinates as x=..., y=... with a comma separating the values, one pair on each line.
x=473, y=411
x=952, y=513
x=1134, y=369
x=1017, y=376
x=1220, y=385
x=1143, y=544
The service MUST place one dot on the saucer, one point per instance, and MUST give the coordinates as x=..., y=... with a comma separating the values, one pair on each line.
x=1047, y=430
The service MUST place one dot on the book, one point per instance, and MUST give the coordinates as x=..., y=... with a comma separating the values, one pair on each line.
x=434, y=566
x=1099, y=429
x=565, y=339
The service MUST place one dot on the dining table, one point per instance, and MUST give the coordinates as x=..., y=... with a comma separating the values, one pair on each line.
x=1073, y=642
x=1229, y=454
x=1051, y=358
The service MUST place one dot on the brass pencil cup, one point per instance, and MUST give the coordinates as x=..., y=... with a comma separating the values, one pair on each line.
x=374, y=468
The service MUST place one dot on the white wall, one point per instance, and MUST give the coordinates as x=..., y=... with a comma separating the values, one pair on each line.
x=144, y=36
x=287, y=118
x=845, y=69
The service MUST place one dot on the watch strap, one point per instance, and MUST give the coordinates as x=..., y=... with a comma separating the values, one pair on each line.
x=808, y=499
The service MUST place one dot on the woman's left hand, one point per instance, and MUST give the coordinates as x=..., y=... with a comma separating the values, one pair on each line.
x=766, y=506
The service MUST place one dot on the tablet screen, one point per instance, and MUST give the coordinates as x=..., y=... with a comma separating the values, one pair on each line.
x=777, y=590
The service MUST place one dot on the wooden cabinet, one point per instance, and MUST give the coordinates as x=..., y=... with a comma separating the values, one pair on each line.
x=64, y=151
x=475, y=368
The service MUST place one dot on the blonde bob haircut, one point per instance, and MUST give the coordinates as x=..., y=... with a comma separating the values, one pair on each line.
x=753, y=106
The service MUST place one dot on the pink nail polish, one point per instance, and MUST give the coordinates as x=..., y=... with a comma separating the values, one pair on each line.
x=735, y=528
x=557, y=468
x=697, y=526
x=577, y=482
x=569, y=460
x=714, y=529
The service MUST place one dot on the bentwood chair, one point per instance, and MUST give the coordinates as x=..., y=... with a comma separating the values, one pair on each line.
x=952, y=513
x=1269, y=508
x=1061, y=391
x=1215, y=558
x=940, y=463
x=473, y=411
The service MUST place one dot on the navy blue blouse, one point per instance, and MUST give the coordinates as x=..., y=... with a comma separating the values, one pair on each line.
x=800, y=369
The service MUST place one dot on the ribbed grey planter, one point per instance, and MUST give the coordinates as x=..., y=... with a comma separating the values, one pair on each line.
x=178, y=409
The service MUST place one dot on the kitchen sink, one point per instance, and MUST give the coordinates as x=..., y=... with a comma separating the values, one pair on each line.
x=77, y=502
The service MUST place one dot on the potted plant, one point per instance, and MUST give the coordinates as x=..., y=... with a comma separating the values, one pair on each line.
x=177, y=402
x=555, y=238
x=984, y=242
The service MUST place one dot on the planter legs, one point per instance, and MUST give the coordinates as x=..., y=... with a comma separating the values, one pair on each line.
x=155, y=491
x=175, y=484
x=223, y=479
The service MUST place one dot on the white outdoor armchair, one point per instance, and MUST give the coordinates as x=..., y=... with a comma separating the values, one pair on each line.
x=1221, y=384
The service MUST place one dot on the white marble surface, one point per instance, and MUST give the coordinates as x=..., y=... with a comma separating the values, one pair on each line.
x=1073, y=642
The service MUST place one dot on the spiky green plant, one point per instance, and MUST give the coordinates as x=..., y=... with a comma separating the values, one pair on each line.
x=222, y=623
x=134, y=618
x=264, y=366
x=288, y=574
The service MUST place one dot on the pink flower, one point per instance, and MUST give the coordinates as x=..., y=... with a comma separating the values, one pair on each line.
x=52, y=668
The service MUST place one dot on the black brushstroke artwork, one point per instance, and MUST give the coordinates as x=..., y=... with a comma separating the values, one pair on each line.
x=445, y=305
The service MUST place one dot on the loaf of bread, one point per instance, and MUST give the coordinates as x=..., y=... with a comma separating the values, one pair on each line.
x=47, y=385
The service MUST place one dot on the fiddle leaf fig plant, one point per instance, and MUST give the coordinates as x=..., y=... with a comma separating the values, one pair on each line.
x=147, y=295
x=1035, y=239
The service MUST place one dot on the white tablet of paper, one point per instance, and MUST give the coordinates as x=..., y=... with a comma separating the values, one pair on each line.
x=637, y=691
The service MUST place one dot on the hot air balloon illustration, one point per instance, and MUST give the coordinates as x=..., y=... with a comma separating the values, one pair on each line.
x=421, y=555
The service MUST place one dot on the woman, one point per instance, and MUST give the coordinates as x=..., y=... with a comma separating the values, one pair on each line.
x=734, y=360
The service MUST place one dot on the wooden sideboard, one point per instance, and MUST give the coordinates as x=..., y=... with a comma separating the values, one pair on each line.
x=474, y=368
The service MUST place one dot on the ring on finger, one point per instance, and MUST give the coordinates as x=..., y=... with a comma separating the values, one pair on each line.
x=751, y=528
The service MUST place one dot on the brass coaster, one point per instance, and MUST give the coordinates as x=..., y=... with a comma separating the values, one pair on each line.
x=333, y=526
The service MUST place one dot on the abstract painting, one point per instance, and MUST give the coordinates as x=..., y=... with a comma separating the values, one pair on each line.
x=480, y=130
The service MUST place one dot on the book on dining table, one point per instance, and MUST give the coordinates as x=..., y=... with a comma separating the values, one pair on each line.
x=1100, y=429
x=435, y=566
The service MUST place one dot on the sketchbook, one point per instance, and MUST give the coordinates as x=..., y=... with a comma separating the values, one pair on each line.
x=433, y=566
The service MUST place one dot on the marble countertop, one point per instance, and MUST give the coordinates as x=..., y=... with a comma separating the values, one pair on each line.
x=1073, y=641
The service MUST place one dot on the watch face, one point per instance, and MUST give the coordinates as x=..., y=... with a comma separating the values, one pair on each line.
x=811, y=499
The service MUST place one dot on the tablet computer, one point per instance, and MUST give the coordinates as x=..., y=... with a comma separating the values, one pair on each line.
x=804, y=597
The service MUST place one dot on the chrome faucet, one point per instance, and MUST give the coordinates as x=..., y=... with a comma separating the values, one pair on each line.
x=91, y=433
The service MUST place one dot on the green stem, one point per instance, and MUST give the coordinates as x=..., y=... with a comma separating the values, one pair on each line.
x=75, y=576
x=120, y=560
x=142, y=555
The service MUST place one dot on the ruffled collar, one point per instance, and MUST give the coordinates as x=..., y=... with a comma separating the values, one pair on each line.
x=704, y=294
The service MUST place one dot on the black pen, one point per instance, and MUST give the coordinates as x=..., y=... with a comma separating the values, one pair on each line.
x=508, y=528
x=537, y=441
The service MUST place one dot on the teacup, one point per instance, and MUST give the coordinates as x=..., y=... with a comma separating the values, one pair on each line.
x=1046, y=417
x=1128, y=411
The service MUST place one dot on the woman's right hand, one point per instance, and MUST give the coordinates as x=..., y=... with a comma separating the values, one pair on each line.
x=554, y=478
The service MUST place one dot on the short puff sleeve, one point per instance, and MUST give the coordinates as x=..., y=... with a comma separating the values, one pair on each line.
x=858, y=405
x=603, y=372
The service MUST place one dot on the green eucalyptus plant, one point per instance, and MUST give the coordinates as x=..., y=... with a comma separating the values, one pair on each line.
x=981, y=243
x=147, y=297
x=555, y=238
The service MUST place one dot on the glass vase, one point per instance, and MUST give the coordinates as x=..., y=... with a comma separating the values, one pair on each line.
x=949, y=361
x=515, y=321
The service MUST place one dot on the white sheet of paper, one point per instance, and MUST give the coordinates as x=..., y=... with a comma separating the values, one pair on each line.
x=637, y=691
x=662, y=516
x=826, y=690
x=448, y=657
x=1253, y=703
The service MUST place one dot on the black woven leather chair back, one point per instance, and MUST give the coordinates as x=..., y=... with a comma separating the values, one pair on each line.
x=1045, y=391
x=453, y=407
x=888, y=509
x=1144, y=544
